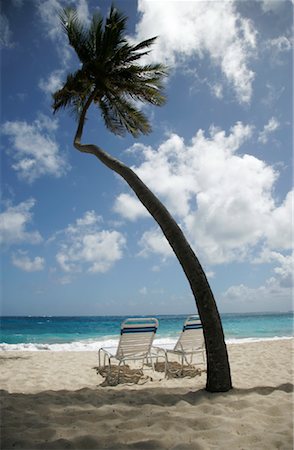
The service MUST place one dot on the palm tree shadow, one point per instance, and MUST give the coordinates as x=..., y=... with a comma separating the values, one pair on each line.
x=48, y=409
x=9, y=358
x=266, y=390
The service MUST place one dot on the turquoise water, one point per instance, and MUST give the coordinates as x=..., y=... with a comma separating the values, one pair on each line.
x=85, y=333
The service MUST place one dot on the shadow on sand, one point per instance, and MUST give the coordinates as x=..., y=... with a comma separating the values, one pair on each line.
x=77, y=419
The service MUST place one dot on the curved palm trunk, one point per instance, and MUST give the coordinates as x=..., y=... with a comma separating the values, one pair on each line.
x=218, y=369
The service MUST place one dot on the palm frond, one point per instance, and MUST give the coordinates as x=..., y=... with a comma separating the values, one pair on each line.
x=143, y=83
x=77, y=35
x=110, y=69
x=73, y=93
x=120, y=116
x=114, y=30
x=147, y=43
x=96, y=32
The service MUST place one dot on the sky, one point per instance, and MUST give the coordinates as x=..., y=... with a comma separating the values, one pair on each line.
x=74, y=239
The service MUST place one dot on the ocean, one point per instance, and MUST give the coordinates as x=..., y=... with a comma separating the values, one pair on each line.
x=92, y=332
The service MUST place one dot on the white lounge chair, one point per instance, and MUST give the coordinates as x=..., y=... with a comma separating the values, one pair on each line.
x=136, y=338
x=189, y=344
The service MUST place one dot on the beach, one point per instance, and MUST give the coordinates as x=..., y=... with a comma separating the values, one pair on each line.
x=55, y=400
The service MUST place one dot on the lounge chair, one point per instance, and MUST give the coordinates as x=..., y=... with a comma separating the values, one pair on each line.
x=189, y=344
x=136, y=338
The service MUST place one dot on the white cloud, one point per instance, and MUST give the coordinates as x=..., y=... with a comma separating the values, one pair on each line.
x=129, y=207
x=53, y=82
x=49, y=13
x=273, y=6
x=279, y=47
x=143, y=290
x=279, y=227
x=64, y=280
x=284, y=271
x=82, y=10
x=165, y=171
x=86, y=246
x=272, y=125
x=34, y=148
x=223, y=199
x=195, y=28
x=153, y=241
x=23, y=262
x=269, y=296
x=285, y=263
x=275, y=294
x=5, y=33
x=89, y=218
x=273, y=94
x=280, y=44
x=217, y=90
x=14, y=222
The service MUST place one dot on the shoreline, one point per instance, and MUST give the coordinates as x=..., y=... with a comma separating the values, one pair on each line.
x=55, y=400
x=93, y=345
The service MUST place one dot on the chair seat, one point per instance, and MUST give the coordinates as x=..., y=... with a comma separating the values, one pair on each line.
x=136, y=338
x=190, y=343
x=111, y=350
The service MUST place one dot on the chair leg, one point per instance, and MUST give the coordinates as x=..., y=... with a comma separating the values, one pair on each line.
x=166, y=368
x=100, y=359
x=152, y=363
x=118, y=372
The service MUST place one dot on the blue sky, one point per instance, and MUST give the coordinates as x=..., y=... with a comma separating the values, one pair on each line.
x=75, y=240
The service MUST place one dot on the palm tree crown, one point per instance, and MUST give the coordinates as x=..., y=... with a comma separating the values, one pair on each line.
x=109, y=74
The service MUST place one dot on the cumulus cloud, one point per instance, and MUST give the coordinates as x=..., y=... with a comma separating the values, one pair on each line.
x=86, y=246
x=273, y=94
x=279, y=228
x=217, y=90
x=272, y=125
x=199, y=29
x=153, y=241
x=53, y=82
x=280, y=44
x=23, y=262
x=89, y=218
x=279, y=47
x=223, y=199
x=5, y=33
x=273, y=6
x=14, y=222
x=143, y=290
x=34, y=148
x=48, y=11
x=129, y=207
x=275, y=294
x=82, y=10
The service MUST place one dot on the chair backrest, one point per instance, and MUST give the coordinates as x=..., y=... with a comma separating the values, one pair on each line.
x=137, y=335
x=191, y=337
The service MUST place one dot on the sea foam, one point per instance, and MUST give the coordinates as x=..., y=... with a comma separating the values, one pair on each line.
x=94, y=345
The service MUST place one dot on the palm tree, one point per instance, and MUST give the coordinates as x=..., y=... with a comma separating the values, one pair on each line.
x=111, y=78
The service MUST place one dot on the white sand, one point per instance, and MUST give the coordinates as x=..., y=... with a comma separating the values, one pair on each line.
x=53, y=400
